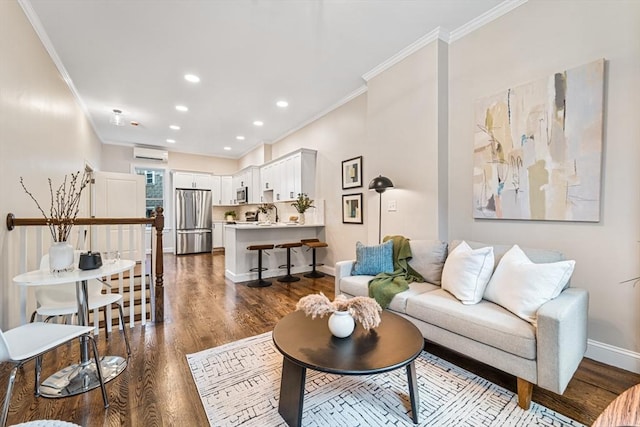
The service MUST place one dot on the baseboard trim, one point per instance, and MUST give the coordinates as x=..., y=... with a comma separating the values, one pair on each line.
x=614, y=356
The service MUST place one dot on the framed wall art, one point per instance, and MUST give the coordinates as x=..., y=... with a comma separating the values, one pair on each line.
x=352, y=208
x=537, y=148
x=352, y=173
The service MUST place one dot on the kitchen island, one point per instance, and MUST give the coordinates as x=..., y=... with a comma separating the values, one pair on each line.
x=238, y=260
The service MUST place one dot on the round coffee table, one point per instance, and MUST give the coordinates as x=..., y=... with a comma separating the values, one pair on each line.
x=307, y=343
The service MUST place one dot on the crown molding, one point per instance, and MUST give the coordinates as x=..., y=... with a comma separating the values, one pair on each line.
x=362, y=89
x=46, y=42
x=490, y=15
x=438, y=33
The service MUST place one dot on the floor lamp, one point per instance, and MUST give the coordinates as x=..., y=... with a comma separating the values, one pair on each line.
x=380, y=184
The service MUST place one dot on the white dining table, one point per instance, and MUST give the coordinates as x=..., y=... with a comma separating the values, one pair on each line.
x=79, y=377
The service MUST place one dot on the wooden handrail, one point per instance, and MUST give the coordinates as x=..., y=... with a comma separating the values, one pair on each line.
x=157, y=221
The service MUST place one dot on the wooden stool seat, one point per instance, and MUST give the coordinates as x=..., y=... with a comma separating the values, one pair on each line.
x=305, y=241
x=288, y=246
x=259, y=247
x=316, y=244
x=313, y=244
x=260, y=283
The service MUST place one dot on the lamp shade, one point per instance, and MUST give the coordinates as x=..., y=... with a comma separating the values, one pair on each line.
x=380, y=184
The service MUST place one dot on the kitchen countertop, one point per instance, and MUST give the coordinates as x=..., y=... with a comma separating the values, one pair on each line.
x=258, y=226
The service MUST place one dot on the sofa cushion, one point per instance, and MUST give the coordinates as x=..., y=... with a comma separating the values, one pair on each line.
x=428, y=258
x=359, y=286
x=522, y=286
x=535, y=255
x=467, y=272
x=371, y=260
x=485, y=322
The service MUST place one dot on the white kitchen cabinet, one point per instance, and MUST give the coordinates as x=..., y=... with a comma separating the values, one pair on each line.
x=218, y=234
x=216, y=190
x=227, y=192
x=278, y=181
x=198, y=181
x=250, y=178
x=284, y=178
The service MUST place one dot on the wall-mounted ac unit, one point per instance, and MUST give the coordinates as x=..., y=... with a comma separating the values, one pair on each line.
x=150, y=154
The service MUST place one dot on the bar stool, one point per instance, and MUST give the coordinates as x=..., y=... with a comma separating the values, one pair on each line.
x=259, y=283
x=314, y=244
x=288, y=278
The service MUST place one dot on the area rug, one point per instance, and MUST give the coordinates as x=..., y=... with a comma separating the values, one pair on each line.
x=239, y=384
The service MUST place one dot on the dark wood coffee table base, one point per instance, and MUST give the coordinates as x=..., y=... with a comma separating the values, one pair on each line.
x=306, y=343
x=292, y=392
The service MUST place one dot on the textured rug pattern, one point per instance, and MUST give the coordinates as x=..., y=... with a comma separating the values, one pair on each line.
x=239, y=384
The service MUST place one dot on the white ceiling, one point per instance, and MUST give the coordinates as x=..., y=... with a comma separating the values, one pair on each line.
x=133, y=54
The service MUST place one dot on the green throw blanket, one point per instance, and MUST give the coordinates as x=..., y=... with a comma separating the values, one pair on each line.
x=385, y=286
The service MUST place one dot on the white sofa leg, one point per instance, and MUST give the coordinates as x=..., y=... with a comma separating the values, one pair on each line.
x=525, y=390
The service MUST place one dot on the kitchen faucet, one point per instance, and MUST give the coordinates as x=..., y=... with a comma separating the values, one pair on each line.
x=276, y=208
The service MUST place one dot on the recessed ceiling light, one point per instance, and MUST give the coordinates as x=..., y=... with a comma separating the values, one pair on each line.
x=192, y=78
x=181, y=108
x=174, y=127
x=171, y=141
x=240, y=138
x=117, y=119
x=227, y=148
x=258, y=123
x=282, y=104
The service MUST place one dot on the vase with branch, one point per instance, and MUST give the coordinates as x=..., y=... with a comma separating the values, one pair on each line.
x=265, y=209
x=302, y=204
x=343, y=312
x=63, y=211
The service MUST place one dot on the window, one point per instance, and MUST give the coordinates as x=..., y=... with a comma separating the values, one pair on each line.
x=154, y=179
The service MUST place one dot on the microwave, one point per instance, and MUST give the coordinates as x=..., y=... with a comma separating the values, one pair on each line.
x=242, y=195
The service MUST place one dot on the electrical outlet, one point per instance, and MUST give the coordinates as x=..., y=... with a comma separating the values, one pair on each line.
x=392, y=207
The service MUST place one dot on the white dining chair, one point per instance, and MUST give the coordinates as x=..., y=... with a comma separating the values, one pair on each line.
x=60, y=300
x=27, y=342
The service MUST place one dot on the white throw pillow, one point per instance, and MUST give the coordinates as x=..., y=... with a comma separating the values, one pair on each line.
x=522, y=286
x=467, y=271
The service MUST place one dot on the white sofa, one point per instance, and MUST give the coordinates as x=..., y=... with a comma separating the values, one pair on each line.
x=546, y=355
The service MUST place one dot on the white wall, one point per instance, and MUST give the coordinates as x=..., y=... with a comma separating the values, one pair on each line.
x=534, y=41
x=402, y=144
x=119, y=158
x=43, y=134
x=337, y=136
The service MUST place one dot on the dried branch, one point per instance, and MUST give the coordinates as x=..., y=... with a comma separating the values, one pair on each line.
x=363, y=309
x=315, y=305
x=65, y=204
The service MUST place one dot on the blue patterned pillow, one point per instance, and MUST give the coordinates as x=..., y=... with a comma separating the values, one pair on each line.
x=371, y=260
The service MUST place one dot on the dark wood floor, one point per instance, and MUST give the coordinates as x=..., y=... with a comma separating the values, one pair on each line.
x=203, y=310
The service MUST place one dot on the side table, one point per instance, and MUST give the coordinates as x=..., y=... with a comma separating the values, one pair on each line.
x=81, y=377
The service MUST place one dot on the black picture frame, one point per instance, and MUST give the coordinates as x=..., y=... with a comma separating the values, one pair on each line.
x=352, y=173
x=352, y=209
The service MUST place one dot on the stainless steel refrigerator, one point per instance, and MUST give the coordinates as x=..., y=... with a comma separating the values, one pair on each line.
x=193, y=221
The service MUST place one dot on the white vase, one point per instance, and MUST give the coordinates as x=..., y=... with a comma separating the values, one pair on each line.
x=341, y=324
x=301, y=218
x=60, y=257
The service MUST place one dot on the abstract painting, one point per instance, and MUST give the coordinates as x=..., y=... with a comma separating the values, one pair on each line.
x=352, y=173
x=538, y=149
x=352, y=208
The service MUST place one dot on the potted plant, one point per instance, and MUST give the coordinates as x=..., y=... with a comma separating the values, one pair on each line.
x=302, y=204
x=65, y=205
x=344, y=312
x=230, y=215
